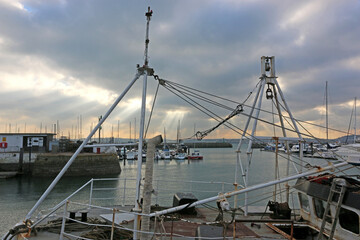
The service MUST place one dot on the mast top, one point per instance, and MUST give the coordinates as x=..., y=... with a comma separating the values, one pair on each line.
x=148, y=15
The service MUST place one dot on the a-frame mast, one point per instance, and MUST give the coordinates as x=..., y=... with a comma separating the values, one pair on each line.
x=269, y=78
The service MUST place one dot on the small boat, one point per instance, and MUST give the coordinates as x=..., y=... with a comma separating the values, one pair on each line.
x=131, y=155
x=296, y=148
x=165, y=154
x=195, y=155
x=180, y=156
x=350, y=153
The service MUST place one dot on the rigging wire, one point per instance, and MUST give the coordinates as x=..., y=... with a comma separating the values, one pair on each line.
x=152, y=109
x=232, y=101
x=307, y=163
x=203, y=109
x=182, y=93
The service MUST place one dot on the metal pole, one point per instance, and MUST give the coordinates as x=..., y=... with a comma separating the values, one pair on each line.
x=61, y=173
x=137, y=208
x=244, y=133
x=249, y=150
x=248, y=189
x=113, y=225
x=301, y=154
x=238, y=156
x=288, y=111
x=327, y=115
x=63, y=221
x=91, y=191
x=276, y=166
x=286, y=141
x=355, y=122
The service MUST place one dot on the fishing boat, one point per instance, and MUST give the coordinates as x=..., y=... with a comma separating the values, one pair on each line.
x=219, y=214
x=195, y=155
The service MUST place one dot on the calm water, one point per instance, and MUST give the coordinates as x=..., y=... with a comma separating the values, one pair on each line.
x=18, y=195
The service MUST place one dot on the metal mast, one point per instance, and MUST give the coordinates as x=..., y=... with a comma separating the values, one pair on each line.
x=355, y=122
x=327, y=114
x=148, y=72
x=144, y=70
x=267, y=78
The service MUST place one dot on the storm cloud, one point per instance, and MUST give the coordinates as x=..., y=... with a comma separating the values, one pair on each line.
x=61, y=59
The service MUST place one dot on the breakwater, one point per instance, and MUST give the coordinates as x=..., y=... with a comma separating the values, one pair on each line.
x=86, y=164
x=202, y=145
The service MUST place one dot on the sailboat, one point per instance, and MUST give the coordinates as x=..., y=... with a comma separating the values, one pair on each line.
x=165, y=154
x=195, y=218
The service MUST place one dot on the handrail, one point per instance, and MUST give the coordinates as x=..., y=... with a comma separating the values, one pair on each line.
x=54, y=209
x=124, y=188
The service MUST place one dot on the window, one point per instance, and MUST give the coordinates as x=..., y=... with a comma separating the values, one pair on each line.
x=304, y=202
x=349, y=220
x=320, y=209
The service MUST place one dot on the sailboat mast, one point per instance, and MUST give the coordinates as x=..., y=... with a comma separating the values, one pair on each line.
x=355, y=122
x=327, y=115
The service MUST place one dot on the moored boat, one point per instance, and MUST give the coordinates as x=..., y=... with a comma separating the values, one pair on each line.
x=195, y=155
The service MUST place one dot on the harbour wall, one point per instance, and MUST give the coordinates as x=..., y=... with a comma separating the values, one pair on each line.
x=86, y=164
x=50, y=164
x=203, y=145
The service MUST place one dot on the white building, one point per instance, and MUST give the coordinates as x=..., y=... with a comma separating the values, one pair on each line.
x=13, y=142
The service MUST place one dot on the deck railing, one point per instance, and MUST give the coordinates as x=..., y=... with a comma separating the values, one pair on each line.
x=121, y=192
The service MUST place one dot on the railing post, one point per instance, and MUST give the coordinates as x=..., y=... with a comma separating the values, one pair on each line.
x=113, y=225
x=124, y=194
x=91, y=192
x=63, y=221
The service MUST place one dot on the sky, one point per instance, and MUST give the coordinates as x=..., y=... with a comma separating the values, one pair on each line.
x=65, y=60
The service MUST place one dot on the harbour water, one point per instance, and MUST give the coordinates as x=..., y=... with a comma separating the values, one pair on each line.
x=18, y=195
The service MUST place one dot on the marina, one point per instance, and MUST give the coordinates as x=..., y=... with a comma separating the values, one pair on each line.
x=139, y=191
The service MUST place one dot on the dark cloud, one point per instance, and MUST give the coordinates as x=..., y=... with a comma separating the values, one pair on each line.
x=214, y=46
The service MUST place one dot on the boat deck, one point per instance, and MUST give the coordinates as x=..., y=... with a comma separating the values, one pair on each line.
x=175, y=226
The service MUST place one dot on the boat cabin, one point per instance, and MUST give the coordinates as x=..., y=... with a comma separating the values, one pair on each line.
x=313, y=195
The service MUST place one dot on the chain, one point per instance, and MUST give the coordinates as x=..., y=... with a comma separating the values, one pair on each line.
x=237, y=110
